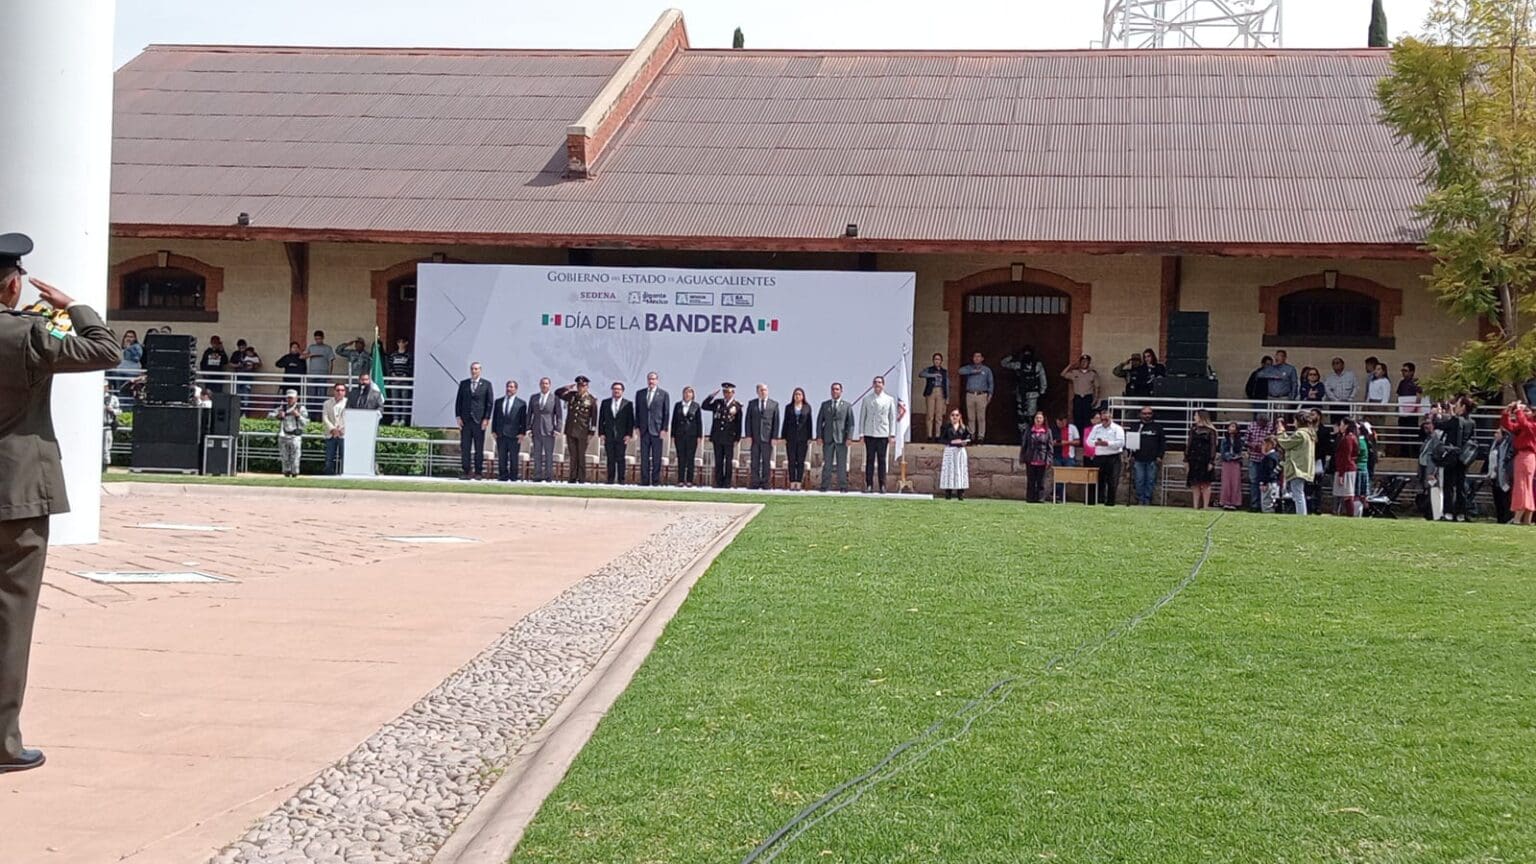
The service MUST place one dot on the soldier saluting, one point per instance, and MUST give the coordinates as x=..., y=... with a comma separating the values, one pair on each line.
x=724, y=430
x=34, y=346
x=580, y=421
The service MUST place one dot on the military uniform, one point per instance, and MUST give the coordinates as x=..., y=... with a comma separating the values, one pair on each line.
x=580, y=421
x=724, y=433
x=31, y=475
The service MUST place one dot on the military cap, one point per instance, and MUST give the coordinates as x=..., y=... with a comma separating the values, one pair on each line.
x=12, y=247
x=726, y=385
x=582, y=379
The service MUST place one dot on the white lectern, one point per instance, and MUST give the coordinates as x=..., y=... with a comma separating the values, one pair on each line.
x=359, y=441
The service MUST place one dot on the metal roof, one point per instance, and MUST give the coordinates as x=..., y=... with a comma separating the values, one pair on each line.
x=1155, y=148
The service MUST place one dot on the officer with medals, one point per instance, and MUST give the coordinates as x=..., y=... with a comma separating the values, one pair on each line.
x=724, y=431
x=580, y=423
x=55, y=337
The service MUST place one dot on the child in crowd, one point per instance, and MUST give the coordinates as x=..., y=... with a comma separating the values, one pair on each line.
x=1068, y=439
x=1346, y=456
x=1269, y=475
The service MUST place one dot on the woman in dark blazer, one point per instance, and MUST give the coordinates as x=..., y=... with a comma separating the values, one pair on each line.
x=797, y=435
x=687, y=429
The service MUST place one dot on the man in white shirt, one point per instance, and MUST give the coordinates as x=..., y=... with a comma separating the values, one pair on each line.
x=333, y=415
x=877, y=423
x=1108, y=440
x=1341, y=388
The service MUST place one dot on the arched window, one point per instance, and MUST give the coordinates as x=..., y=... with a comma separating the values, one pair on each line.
x=164, y=288
x=1330, y=310
x=1323, y=317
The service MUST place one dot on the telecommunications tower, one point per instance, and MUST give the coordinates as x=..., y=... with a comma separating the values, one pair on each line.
x=1191, y=24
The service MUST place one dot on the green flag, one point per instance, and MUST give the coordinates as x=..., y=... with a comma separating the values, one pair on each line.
x=378, y=365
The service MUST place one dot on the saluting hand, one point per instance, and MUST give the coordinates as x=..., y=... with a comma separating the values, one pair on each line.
x=49, y=294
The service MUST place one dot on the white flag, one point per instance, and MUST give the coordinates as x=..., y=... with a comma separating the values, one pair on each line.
x=903, y=401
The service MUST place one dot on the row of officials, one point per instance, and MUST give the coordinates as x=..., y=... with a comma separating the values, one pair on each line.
x=573, y=411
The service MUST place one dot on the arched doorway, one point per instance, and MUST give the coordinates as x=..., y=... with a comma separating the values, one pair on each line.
x=998, y=312
x=394, y=297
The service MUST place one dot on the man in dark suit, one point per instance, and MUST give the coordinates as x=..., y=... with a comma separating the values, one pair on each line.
x=580, y=417
x=724, y=431
x=834, y=429
x=544, y=416
x=687, y=429
x=365, y=396
x=615, y=423
x=508, y=422
x=472, y=411
x=33, y=348
x=653, y=407
x=762, y=425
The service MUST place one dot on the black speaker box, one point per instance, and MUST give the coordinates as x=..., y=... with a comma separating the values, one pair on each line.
x=169, y=375
x=1183, y=366
x=219, y=455
x=1192, y=325
x=224, y=417
x=167, y=437
x=1179, y=349
x=1185, y=388
x=157, y=393
x=182, y=343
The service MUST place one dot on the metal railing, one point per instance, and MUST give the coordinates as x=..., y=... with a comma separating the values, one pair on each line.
x=1397, y=431
x=261, y=392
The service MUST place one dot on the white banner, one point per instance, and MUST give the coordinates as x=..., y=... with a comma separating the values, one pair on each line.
x=783, y=328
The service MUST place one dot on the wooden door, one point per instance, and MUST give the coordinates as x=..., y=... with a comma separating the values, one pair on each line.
x=1001, y=319
x=401, y=311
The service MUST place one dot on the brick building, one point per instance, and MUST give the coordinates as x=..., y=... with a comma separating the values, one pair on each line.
x=1117, y=185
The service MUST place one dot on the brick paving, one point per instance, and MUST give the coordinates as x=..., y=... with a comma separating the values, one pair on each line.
x=174, y=716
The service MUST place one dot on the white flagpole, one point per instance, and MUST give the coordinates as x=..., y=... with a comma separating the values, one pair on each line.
x=903, y=414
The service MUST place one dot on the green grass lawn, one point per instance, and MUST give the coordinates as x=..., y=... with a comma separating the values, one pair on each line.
x=1329, y=690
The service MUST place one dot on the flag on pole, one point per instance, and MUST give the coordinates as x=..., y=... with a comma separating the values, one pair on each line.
x=903, y=401
x=378, y=363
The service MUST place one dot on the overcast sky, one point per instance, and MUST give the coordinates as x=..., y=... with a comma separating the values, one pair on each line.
x=620, y=23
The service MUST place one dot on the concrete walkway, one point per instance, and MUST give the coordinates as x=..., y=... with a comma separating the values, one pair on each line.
x=174, y=716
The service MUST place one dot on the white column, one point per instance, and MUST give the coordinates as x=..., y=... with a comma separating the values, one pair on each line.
x=55, y=180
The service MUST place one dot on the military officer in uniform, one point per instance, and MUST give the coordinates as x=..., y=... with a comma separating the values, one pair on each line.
x=724, y=430
x=580, y=421
x=33, y=348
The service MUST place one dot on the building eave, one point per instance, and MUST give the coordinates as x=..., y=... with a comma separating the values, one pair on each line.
x=850, y=245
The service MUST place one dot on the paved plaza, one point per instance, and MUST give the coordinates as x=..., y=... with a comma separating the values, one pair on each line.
x=315, y=694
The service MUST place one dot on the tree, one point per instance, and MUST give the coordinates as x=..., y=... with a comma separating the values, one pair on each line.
x=1464, y=96
x=1378, y=32
x=738, y=39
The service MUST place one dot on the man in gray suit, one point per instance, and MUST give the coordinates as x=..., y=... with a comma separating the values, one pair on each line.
x=834, y=429
x=33, y=348
x=544, y=418
x=653, y=415
x=762, y=425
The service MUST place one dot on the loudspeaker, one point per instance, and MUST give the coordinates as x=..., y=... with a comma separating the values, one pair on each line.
x=159, y=393
x=1180, y=349
x=1183, y=366
x=224, y=417
x=166, y=437
x=1189, y=326
x=170, y=342
x=219, y=455
x=1184, y=388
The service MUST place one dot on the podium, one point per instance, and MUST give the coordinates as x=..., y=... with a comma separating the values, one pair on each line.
x=359, y=442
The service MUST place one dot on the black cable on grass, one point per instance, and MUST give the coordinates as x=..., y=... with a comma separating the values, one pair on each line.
x=914, y=750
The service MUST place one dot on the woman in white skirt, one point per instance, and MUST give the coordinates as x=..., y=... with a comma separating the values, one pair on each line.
x=955, y=472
